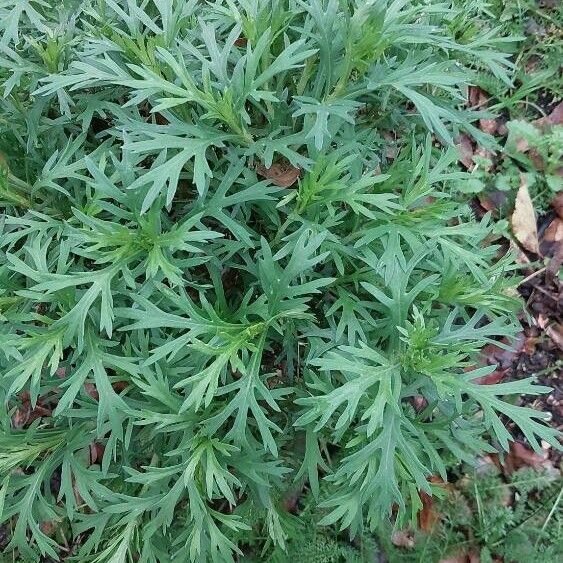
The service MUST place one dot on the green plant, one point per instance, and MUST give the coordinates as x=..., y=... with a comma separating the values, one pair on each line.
x=527, y=151
x=182, y=337
x=535, y=30
x=518, y=519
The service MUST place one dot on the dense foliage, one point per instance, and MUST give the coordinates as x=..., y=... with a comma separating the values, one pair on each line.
x=190, y=330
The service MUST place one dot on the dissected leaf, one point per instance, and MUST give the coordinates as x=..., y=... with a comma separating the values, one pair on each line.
x=182, y=342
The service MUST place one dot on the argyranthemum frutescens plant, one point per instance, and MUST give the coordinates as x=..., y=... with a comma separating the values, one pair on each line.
x=195, y=335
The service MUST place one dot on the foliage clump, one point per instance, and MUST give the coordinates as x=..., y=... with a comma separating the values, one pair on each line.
x=186, y=332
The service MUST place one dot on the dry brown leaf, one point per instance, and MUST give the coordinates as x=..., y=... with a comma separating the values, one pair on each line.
x=465, y=147
x=494, y=354
x=557, y=205
x=483, y=465
x=427, y=517
x=282, y=174
x=502, y=129
x=522, y=145
x=419, y=403
x=403, y=538
x=554, y=232
x=523, y=219
x=494, y=200
x=462, y=557
x=551, y=242
x=160, y=119
x=554, y=118
x=487, y=156
x=521, y=455
x=477, y=97
x=555, y=263
x=48, y=527
x=488, y=126
x=25, y=414
x=96, y=452
x=530, y=345
x=91, y=390
x=536, y=159
x=391, y=148
x=496, y=377
x=459, y=558
x=119, y=386
x=556, y=115
x=542, y=321
x=555, y=332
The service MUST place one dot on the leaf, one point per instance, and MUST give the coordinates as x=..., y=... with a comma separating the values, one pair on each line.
x=524, y=219
x=403, y=538
x=466, y=151
x=281, y=174
x=520, y=455
x=555, y=332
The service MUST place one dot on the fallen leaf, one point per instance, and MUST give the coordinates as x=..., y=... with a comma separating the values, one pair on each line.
x=465, y=147
x=494, y=199
x=160, y=119
x=96, y=452
x=282, y=174
x=403, y=538
x=484, y=465
x=488, y=126
x=557, y=204
x=391, y=149
x=555, y=332
x=522, y=145
x=521, y=455
x=504, y=357
x=532, y=64
x=462, y=557
x=552, y=238
x=486, y=157
x=91, y=390
x=524, y=219
x=458, y=558
x=554, y=232
x=48, y=527
x=427, y=517
x=548, y=121
x=477, y=97
x=542, y=321
x=25, y=414
x=537, y=159
x=556, y=116
x=119, y=386
x=496, y=377
x=530, y=345
x=502, y=129
x=521, y=257
x=419, y=403
x=555, y=263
